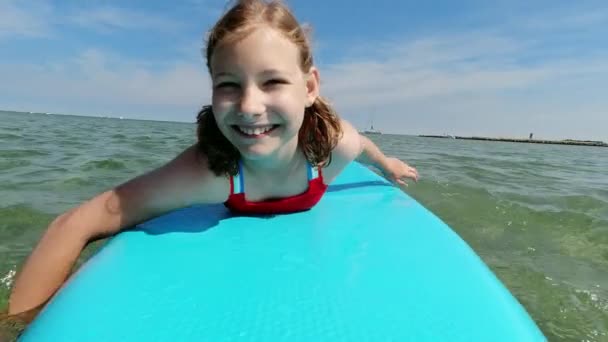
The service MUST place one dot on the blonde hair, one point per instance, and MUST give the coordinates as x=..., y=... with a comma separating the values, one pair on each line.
x=320, y=130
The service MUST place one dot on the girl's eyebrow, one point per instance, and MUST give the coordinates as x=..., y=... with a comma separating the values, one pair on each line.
x=222, y=73
x=265, y=73
x=268, y=72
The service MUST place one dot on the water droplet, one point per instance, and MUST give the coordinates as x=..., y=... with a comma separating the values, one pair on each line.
x=8, y=278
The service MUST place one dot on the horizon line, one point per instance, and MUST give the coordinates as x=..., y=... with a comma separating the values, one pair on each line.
x=194, y=122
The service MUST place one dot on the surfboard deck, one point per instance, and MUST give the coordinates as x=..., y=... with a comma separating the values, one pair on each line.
x=368, y=263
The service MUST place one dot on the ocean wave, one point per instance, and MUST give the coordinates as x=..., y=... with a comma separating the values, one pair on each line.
x=20, y=219
x=78, y=182
x=10, y=136
x=9, y=164
x=104, y=164
x=22, y=153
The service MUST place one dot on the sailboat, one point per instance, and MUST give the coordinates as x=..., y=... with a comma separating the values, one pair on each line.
x=371, y=130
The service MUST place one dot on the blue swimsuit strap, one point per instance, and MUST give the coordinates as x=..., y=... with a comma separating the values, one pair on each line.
x=240, y=175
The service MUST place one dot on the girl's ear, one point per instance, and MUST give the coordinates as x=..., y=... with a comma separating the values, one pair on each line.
x=312, y=86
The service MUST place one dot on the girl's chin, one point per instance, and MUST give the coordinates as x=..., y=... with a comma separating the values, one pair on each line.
x=257, y=152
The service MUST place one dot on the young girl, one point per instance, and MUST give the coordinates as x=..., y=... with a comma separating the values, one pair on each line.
x=267, y=144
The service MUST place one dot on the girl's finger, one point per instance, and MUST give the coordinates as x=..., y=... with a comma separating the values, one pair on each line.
x=411, y=175
x=401, y=182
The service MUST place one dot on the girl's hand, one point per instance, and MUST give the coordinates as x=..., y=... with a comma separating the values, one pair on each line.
x=397, y=171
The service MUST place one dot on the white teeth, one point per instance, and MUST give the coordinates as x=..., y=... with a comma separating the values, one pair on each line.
x=255, y=130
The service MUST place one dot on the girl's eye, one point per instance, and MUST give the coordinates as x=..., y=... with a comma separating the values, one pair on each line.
x=275, y=81
x=226, y=85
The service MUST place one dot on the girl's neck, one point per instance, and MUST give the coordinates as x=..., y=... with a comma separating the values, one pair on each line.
x=285, y=162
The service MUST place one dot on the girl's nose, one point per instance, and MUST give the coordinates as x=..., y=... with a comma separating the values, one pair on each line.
x=252, y=102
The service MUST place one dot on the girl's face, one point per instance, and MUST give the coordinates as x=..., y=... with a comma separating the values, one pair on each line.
x=260, y=93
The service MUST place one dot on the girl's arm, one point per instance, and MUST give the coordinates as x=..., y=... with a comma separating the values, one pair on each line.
x=183, y=181
x=394, y=169
x=354, y=146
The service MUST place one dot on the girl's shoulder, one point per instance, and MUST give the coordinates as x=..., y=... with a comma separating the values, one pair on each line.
x=347, y=149
x=189, y=175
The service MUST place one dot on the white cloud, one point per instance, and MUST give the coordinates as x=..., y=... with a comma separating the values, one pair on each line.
x=426, y=68
x=572, y=17
x=487, y=82
x=99, y=83
x=471, y=84
x=39, y=19
x=20, y=21
x=439, y=90
x=114, y=18
x=538, y=72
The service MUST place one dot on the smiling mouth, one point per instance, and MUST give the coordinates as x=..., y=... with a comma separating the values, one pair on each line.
x=254, y=131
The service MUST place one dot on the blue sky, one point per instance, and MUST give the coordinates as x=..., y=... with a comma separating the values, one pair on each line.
x=491, y=68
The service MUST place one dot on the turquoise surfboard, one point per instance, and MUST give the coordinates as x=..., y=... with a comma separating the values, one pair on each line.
x=368, y=263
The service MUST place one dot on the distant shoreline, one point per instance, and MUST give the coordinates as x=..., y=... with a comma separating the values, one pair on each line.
x=95, y=116
x=529, y=141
